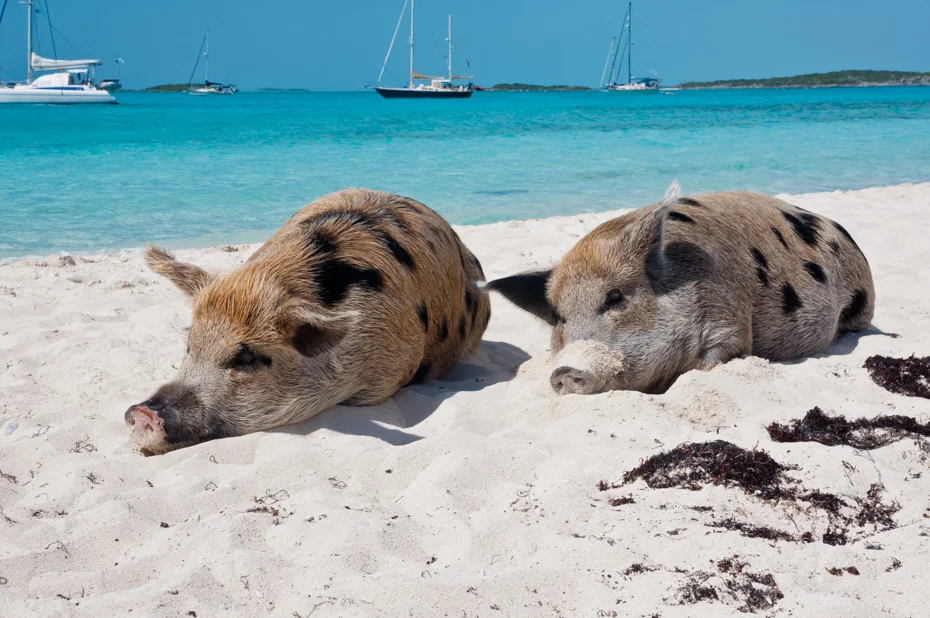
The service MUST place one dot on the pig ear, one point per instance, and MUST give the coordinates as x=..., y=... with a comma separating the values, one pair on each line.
x=650, y=231
x=188, y=278
x=528, y=292
x=316, y=331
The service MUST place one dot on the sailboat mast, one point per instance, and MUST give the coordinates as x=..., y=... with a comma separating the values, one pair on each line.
x=610, y=50
x=206, y=69
x=411, y=44
x=29, y=9
x=450, y=48
x=629, y=45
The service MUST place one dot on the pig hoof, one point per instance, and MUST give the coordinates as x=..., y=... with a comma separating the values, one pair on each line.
x=568, y=380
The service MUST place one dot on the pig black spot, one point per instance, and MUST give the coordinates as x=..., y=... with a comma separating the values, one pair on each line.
x=462, y=327
x=834, y=246
x=393, y=218
x=790, y=300
x=781, y=238
x=423, y=315
x=333, y=279
x=763, y=276
x=816, y=272
x=689, y=201
x=855, y=307
x=363, y=219
x=323, y=244
x=420, y=375
x=678, y=216
x=443, y=330
x=487, y=317
x=681, y=263
x=474, y=317
x=805, y=225
x=842, y=230
x=469, y=299
x=400, y=254
x=759, y=257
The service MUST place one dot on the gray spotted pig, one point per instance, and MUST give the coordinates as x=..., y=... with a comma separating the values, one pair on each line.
x=691, y=282
x=357, y=295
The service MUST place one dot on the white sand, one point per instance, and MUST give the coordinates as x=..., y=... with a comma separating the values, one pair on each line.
x=471, y=496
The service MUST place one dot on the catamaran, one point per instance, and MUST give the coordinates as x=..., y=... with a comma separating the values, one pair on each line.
x=68, y=81
x=641, y=85
x=438, y=87
x=208, y=86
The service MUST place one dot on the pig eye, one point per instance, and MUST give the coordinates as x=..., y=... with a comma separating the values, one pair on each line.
x=613, y=300
x=247, y=359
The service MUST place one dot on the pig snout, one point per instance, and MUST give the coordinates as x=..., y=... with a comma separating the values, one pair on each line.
x=571, y=381
x=145, y=420
x=586, y=367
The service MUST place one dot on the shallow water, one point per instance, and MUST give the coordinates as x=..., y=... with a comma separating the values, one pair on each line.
x=196, y=171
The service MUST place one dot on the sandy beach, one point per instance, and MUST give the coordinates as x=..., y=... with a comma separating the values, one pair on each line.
x=476, y=495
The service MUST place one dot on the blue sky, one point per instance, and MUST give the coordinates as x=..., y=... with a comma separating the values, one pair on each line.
x=340, y=45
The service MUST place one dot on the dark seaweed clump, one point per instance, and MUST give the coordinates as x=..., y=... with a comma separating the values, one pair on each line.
x=865, y=434
x=752, y=591
x=691, y=465
x=905, y=376
x=873, y=511
x=761, y=532
x=719, y=463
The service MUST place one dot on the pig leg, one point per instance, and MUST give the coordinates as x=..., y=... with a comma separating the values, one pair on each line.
x=724, y=344
x=711, y=357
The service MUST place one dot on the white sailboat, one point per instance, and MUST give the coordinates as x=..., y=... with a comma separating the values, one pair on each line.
x=67, y=81
x=641, y=85
x=208, y=86
x=438, y=87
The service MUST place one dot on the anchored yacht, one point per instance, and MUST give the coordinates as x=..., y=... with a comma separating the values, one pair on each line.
x=66, y=81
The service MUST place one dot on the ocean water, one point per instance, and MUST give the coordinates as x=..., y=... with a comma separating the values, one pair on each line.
x=197, y=171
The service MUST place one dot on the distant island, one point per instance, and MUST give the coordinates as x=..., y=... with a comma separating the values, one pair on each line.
x=823, y=80
x=535, y=88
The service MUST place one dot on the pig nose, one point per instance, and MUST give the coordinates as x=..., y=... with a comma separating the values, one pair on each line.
x=568, y=380
x=146, y=415
x=145, y=422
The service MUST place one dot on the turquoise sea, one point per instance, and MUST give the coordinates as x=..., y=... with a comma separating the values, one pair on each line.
x=197, y=171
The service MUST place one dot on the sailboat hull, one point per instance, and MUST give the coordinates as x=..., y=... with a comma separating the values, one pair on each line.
x=634, y=90
x=55, y=96
x=422, y=93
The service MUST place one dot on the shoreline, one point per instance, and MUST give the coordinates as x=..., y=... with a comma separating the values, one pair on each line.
x=176, y=246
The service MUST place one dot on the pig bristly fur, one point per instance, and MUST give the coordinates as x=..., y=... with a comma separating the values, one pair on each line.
x=357, y=295
x=691, y=282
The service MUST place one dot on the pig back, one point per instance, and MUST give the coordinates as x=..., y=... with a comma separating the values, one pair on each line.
x=801, y=277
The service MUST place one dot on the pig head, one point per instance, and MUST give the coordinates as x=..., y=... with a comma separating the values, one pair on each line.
x=617, y=305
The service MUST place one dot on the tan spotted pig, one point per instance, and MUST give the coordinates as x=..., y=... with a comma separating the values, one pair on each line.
x=691, y=282
x=357, y=295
